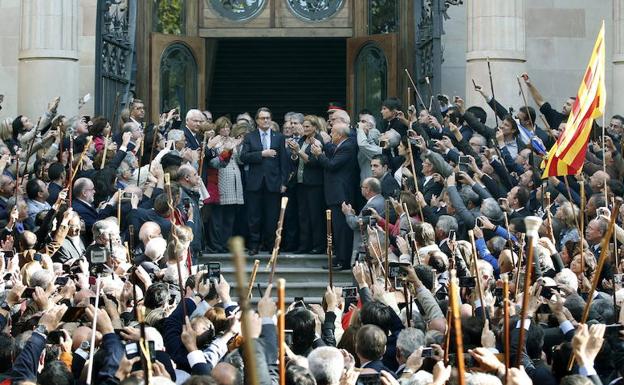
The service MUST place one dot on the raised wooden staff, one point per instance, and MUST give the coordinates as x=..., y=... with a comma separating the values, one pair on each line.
x=520, y=258
x=420, y=99
x=509, y=242
x=201, y=154
x=32, y=141
x=506, y=306
x=459, y=341
x=154, y=139
x=106, y=139
x=139, y=313
x=278, y=239
x=413, y=235
x=489, y=67
x=281, y=329
x=17, y=181
x=119, y=194
x=82, y=155
x=70, y=181
x=236, y=248
x=387, y=241
x=330, y=267
x=582, y=222
x=411, y=155
x=477, y=274
x=254, y=271
x=175, y=237
x=604, y=255
x=93, y=330
x=549, y=217
x=532, y=226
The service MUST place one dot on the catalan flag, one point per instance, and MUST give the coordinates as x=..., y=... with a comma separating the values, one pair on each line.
x=566, y=157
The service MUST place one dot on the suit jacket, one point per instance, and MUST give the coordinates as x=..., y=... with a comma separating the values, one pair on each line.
x=340, y=165
x=69, y=251
x=377, y=366
x=87, y=212
x=389, y=186
x=522, y=213
x=272, y=171
x=312, y=171
x=377, y=203
x=54, y=190
x=430, y=188
x=192, y=141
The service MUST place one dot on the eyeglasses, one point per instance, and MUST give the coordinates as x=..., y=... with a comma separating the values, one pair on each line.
x=264, y=118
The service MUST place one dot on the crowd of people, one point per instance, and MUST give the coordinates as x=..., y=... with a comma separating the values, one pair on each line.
x=104, y=223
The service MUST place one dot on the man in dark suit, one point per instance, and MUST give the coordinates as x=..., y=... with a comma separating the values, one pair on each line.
x=339, y=160
x=73, y=247
x=517, y=200
x=379, y=169
x=84, y=193
x=194, y=119
x=57, y=176
x=370, y=347
x=266, y=173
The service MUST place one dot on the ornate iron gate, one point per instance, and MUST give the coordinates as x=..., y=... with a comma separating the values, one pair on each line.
x=429, y=16
x=114, y=55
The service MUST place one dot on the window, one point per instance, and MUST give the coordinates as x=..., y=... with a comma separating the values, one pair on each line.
x=371, y=79
x=315, y=10
x=383, y=16
x=169, y=17
x=178, y=78
x=239, y=10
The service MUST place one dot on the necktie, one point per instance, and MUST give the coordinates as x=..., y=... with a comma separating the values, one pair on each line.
x=265, y=142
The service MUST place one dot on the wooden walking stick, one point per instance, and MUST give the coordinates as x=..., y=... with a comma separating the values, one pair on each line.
x=201, y=154
x=582, y=223
x=93, y=330
x=106, y=139
x=281, y=329
x=119, y=193
x=175, y=238
x=254, y=271
x=459, y=341
x=32, y=141
x=604, y=255
x=430, y=92
x=449, y=326
x=489, y=66
x=506, y=324
x=413, y=237
x=278, y=239
x=139, y=313
x=70, y=181
x=420, y=99
x=140, y=160
x=17, y=181
x=236, y=248
x=154, y=139
x=82, y=155
x=524, y=99
x=549, y=218
x=519, y=266
x=387, y=241
x=532, y=226
x=477, y=274
x=330, y=267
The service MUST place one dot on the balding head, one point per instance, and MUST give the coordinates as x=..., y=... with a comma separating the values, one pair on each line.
x=598, y=179
x=224, y=374
x=148, y=231
x=84, y=189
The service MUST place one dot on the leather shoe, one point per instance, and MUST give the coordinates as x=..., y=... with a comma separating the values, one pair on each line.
x=335, y=266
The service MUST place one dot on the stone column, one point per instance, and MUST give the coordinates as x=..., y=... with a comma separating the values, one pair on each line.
x=617, y=101
x=496, y=29
x=48, y=56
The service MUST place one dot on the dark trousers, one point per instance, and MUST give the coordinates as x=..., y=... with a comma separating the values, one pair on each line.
x=222, y=225
x=312, y=223
x=342, y=236
x=290, y=232
x=263, y=211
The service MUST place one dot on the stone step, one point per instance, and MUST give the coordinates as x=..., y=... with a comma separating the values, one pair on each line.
x=303, y=274
x=294, y=260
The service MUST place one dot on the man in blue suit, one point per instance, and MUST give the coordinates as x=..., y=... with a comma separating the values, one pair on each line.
x=266, y=173
x=339, y=160
x=194, y=119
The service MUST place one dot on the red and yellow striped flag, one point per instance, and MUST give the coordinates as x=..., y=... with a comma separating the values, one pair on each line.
x=566, y=157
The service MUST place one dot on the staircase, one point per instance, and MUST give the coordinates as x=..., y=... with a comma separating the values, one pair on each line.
x=303, y=273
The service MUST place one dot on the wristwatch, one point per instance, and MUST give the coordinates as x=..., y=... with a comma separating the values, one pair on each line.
x=85, y=345
x=41, y=330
